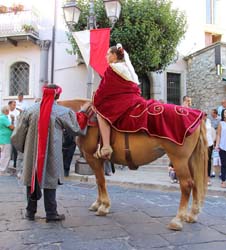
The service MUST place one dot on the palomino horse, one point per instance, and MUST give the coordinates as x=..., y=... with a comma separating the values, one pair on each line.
x=189, y=161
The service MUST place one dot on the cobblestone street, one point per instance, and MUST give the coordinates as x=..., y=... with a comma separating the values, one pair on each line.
x=137, y=220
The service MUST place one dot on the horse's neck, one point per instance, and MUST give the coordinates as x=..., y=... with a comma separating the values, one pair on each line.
x=75, y=104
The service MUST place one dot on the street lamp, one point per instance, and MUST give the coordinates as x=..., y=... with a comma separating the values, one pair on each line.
x=72, y=13
x=71, y=16
x=113, y=9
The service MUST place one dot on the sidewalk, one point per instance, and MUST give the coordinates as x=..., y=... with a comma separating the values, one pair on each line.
x=151, y=176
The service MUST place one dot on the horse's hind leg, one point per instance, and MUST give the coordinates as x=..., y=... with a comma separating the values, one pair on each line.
x=186, y=183
x=196, y=201
x=195, y=208
x=102, y=204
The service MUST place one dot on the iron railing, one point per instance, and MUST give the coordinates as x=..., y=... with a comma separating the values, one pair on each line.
x=19, y=23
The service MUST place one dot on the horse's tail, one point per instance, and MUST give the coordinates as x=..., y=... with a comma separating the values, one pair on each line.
x=199, y=162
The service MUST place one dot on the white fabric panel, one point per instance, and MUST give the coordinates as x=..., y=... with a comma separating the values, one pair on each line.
x=82, y=38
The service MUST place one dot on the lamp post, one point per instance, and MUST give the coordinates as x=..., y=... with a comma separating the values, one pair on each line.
x=71, y=16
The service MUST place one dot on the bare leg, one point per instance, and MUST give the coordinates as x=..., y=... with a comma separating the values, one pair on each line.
x=105, y=131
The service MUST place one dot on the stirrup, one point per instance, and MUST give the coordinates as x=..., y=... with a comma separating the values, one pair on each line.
x=97, y=154
x=106, y=152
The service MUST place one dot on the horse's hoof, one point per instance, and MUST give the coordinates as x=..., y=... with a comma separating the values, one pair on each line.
x=94, y=207
x=175, y=224
x=191, y=218
x=102, y=211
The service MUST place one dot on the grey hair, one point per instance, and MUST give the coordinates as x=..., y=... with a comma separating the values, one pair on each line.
x=4, y=109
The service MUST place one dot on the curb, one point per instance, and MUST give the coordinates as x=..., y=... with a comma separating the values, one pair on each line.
x=212, y=191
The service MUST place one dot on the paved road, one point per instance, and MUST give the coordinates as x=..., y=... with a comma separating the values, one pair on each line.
x=137, y=220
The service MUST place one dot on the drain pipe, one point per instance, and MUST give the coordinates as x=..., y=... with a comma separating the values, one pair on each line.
x=53, y=45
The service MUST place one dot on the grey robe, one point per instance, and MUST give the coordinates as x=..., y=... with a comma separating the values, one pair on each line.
x=24, y=138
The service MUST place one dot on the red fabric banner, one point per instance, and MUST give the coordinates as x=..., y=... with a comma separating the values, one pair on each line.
x=99, y=45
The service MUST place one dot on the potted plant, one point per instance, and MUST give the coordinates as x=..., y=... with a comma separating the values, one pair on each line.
x=17, y=7
x=28, y=28
x=3, y=9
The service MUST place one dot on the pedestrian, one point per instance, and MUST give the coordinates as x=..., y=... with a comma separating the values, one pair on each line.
x=214, y=118
x=39, y=135
x=216, y=163
x=221, y=146
x=68, y=150
x=20, y=103
x=6, y=128
x=13, y=114
x=210, y=142
x=172, y=174
x=186, y=101
x=221, y=107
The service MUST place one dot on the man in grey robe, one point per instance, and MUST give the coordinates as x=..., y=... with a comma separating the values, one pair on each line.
x=25, y=139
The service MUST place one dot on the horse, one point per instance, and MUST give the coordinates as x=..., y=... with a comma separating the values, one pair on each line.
x=189, y=161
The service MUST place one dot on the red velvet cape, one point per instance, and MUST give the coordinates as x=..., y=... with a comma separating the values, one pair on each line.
x=119, y=102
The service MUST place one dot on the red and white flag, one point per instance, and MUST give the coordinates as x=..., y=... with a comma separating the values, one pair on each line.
x=93, y=45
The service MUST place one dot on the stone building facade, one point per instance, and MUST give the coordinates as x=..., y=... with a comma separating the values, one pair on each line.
x=205, y=72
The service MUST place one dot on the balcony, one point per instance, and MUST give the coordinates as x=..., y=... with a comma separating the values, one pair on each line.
x=19, y=26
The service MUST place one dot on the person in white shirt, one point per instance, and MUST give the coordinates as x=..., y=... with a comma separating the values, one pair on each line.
x=210, y=136
x=13, y=112
x=214, y=118
x=20, y=103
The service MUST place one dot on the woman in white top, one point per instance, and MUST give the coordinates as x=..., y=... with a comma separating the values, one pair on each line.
x=210, y=141
x=221, y=146
x=120, y=76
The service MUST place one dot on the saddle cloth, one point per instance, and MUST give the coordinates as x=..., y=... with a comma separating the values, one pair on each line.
x=166, y=121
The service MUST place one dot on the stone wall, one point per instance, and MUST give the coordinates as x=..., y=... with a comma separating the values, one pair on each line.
x=203, y=84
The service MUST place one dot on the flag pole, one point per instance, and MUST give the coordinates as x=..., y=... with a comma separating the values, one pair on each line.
x=91, y=25
x=90, y=77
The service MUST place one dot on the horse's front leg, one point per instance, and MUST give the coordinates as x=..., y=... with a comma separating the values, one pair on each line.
x=102, y=204
x=186, y=184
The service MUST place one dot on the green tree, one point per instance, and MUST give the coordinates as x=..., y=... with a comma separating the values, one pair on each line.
x=149, y=30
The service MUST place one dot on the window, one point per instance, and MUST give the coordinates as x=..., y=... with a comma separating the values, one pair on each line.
x=214, y=11
x=173, y=88
x=145, y=86
x=19, y=78
x=208, y=12
x=211, y=38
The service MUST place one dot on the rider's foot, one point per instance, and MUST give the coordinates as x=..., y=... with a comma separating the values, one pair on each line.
x=97, y=154
x=106, y=152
